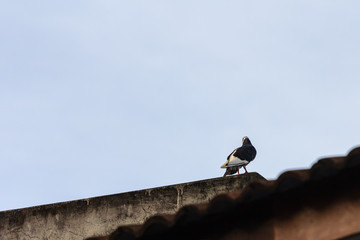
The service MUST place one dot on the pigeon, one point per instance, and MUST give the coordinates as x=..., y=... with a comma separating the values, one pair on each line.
x=240, y=157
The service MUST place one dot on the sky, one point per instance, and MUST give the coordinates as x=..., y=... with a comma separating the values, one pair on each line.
x=105, y=97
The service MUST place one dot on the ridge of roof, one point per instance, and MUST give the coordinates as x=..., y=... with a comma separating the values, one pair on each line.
x=247, y=199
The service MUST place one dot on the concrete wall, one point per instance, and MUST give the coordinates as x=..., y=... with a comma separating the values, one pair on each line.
x=102, y=215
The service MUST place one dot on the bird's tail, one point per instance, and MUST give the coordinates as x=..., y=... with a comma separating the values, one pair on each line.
x=227, y=172
x=231, y=170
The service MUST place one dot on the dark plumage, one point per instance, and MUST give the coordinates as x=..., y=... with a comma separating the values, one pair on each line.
x=240, y=157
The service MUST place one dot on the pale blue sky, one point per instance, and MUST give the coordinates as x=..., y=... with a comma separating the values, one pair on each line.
x=103, y=97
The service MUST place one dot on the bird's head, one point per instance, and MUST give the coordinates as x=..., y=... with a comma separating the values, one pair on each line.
x=246, y=140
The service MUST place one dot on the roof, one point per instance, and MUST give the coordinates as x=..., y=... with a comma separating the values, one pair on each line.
x=252, y=205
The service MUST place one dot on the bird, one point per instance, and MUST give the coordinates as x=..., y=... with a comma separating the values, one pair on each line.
x=240, y=157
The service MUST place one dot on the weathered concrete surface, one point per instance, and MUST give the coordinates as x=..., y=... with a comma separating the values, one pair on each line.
x=102, y=215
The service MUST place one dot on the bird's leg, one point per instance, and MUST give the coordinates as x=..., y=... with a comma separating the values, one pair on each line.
x=245, y=170
x=238, y=172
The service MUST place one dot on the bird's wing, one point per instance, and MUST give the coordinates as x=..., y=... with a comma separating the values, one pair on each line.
x=228, y=158
x=224, y=165
x=237, y=162
x=234, y=162
x=231, y=159
x=240, y=156
x=245, y=152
